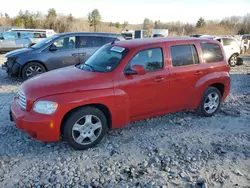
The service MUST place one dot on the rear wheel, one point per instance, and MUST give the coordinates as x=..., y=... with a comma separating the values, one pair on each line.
x=233, y=60
x=244, y=50
x=210, y=102
x=32, y=69
x=85, y=127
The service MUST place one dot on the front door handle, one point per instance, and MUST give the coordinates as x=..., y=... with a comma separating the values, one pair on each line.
x=198, y=73
x=159, y=79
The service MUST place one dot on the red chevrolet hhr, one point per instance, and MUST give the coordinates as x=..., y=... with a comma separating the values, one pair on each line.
x=122, y=82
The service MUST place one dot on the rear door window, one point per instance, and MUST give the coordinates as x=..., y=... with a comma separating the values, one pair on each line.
x=184, y=55
x=211, y=52
x=89, y=41
x=107, y=40
x=25, y=35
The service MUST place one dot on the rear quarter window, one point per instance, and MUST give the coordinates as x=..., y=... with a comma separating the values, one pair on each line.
x=211, y=52
x=106, y=40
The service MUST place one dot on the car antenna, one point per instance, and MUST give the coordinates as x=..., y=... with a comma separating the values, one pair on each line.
x=118, y=35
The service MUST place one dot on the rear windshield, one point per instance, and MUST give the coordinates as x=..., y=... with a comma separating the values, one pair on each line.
x=105, y=59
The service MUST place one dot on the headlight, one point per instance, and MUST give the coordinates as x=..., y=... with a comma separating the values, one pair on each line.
x=45, y=107
x=12, y=58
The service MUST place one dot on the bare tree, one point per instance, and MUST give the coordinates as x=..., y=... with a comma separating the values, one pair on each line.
x=94, y=18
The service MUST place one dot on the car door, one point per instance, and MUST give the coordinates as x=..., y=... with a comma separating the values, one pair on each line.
x=229, y=47
x=24, y=39
x=62, y=52
x=184, y=72
x=87, y=45
x=8, y=41
x=147, y=94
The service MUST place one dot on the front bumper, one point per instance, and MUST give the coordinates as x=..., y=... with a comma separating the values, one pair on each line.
x=40, y=127
x=12, y=67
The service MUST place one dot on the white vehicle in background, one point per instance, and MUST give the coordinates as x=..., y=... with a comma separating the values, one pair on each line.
x=20, y=38
x=139, y=34
x=159, y=32
x=245, y=45
x=128, y=34
x=134, y=34
x=231, y=48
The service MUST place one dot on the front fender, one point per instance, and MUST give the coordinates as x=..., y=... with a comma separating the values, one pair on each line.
x=106, y=97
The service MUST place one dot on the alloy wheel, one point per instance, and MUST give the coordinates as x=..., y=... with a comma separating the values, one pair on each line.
x=233, y=60
x=86, y=129
x=33, y=71
x=211, y=103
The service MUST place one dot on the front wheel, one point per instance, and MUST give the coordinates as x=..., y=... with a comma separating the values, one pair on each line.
x=32, y=69
x=233, y=60
x=210, y=102
x=244, y=50
x=84, y=128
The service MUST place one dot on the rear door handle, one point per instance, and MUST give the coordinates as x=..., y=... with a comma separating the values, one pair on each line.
x=159, y=79
x=75, y=54
x=198, y=73
x=82, y=54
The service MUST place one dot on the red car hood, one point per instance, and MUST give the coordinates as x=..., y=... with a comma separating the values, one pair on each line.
x=64, y=80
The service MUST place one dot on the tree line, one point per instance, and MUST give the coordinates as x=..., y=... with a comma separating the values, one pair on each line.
x=93, y=22
x=227, y=26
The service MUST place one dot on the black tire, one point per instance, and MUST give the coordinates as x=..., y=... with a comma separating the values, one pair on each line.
x=244, y=50
x=39, y=69
x=233, y=60
x=67, y=132
x=201, y=110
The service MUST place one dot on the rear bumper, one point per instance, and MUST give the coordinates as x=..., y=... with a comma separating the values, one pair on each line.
x=38, y=126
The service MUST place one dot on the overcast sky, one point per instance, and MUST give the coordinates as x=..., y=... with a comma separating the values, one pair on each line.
x=134, y=11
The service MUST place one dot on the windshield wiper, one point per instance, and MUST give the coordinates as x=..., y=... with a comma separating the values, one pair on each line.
x=90, y=66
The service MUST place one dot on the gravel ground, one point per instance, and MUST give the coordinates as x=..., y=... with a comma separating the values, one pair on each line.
x=175, y=150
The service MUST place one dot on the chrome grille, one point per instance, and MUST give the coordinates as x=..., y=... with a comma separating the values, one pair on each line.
x=22, y=99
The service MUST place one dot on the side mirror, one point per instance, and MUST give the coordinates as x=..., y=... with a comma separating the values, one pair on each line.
x=136, y=70
x=1, y=38
x=52, y=48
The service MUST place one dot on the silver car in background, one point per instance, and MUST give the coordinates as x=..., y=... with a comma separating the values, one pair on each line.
x=21, y=38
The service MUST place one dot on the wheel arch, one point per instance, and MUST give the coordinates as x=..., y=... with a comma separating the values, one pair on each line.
x=99, y=106
x=235, y=53
x=221, y=81
x=32, y=61
x=219, y=86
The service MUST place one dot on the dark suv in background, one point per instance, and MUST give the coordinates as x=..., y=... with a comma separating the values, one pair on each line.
x=59, y=50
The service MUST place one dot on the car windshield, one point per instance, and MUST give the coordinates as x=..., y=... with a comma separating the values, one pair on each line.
x=8, y=35
x=44, y=41
x=105, y=59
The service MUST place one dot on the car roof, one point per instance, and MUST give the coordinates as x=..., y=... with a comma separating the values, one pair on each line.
x=224, y=37
x=41, y=30
x=88, y=33
x=140, y=42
